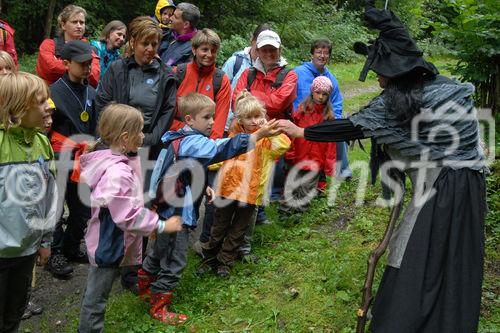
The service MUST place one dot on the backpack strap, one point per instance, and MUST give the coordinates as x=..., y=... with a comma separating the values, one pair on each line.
x=175, y=146
x=181, y=73
x=252, y=74
x=281, y=77
x=237, y=65
x=217, y=81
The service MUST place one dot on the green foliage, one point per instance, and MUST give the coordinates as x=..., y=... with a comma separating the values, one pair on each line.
x=472, y=30
x=229, y=46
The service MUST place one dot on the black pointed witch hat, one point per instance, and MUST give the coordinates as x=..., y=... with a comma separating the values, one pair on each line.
x=394, y=52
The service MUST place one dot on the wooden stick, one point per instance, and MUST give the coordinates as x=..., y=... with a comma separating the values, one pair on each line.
x=372, y=264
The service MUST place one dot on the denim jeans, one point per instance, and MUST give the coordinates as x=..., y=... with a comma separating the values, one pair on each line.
x=99, y=283
x=167, y=260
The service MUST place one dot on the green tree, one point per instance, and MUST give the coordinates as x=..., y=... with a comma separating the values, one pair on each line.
x=471, y=28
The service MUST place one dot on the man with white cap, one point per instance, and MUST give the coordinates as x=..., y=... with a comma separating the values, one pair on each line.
x=275, y=85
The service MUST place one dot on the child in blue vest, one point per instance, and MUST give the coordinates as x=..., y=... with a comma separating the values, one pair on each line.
x=192, y=150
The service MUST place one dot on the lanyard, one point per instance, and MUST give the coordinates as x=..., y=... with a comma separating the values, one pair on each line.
x=84, y=108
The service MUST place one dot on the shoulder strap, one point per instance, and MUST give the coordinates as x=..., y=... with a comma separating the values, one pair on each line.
x=175, y=146
x=217, y=81
x=237, y=65
x=280, y=77
x=252, y=74
x=181, y=73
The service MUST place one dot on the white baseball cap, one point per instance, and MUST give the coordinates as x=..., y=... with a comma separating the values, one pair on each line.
x=268, y=37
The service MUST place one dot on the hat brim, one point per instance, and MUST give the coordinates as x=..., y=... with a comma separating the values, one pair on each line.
x=82, y=58
x=269, y=42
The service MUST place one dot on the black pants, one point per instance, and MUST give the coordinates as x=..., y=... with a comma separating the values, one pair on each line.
x=208, y=219
x=15, y=283
x=68, y=241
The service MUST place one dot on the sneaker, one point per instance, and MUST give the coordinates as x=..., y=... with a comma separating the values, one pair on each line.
x=263, y=222
x=59, y=266
x=26, y=314
x=198, y=248
x=223, y=271
x=34, y=308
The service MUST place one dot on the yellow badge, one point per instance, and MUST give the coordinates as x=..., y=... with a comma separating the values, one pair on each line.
x=84, y=116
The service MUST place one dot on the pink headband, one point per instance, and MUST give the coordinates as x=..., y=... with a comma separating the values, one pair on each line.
x=321, y=84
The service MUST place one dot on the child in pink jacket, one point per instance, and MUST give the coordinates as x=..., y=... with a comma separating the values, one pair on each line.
x=118, y=220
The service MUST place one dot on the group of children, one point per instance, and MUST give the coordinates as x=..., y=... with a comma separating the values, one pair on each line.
x=118, y=218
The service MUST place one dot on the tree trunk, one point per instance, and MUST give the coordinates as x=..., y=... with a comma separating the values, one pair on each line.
x=48, y=19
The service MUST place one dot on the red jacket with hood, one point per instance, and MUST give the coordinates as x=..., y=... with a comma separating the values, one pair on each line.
x=276, y=100
x=200, y=80
x=50, y=66
x=321, y=154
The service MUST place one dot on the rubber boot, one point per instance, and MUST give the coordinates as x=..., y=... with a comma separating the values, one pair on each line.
x=159, y=309
x=144, y=281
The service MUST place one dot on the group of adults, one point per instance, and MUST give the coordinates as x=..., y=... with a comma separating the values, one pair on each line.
x=168, y=56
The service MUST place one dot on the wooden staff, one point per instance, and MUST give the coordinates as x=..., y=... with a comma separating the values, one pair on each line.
x=372, y=264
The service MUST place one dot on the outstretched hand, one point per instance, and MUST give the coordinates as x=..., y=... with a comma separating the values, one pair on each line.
x=268, y=129
x=290, y=129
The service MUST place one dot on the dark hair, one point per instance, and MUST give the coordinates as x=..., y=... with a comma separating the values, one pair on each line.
x=320, y=43
x=190, y=13
x=261, y=27
x=403, y=95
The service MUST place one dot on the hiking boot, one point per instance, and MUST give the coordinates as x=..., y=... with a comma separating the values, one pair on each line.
x=59, y=266
x=159, y=309
x=207, y=266
x=223, y=271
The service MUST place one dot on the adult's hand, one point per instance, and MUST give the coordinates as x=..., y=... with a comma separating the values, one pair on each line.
x=290, y=129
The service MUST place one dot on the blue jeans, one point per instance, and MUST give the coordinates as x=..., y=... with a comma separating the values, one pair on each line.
x=99, y=283
x=167, y=260
x=342, y=169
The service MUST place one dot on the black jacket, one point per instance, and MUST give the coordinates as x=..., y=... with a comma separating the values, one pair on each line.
x=114, y=86
x=71, y=99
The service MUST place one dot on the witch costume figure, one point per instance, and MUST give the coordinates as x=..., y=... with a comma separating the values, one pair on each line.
x=425, y=125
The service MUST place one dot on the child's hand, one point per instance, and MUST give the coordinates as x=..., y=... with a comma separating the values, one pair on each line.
x=173, y=224
x=43, y=256
x=268, y=129
x=210, y=194
x=262, y=122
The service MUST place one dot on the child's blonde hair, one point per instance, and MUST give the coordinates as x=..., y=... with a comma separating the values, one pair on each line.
x=248, y=105
x=116, y=119
x=7, y=62
x=193, y=103
x=20, y=93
